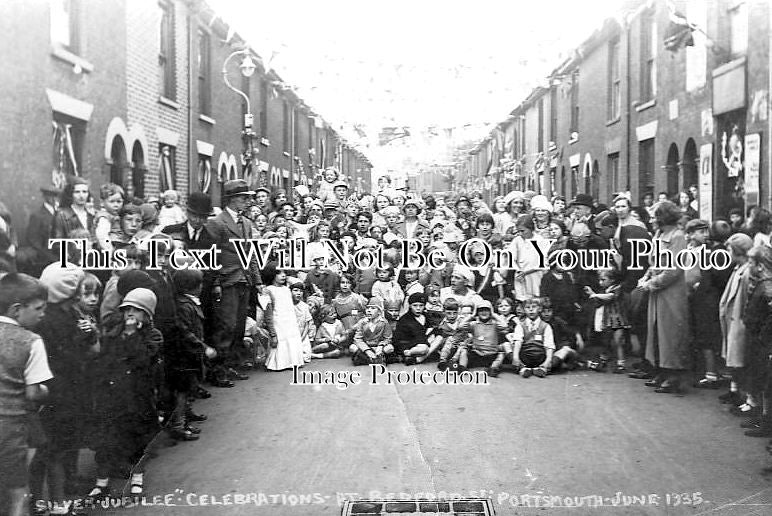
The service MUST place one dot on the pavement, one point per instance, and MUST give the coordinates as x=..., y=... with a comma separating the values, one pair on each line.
x=576, y=443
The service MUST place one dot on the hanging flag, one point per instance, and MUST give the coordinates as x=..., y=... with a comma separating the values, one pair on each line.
x=679, y=31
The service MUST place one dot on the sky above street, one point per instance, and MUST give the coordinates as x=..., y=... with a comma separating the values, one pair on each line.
x=418, y=64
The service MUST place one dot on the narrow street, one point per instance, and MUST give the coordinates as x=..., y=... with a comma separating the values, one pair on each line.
x=582, y=434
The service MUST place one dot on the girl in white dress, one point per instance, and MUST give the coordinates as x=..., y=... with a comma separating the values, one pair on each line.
x=286, y=342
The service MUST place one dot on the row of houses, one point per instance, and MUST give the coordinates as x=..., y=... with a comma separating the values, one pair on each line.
x=663, y=96
x=132, y=92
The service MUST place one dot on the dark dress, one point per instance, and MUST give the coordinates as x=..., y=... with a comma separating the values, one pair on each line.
x=67, y=413
x=124, y=397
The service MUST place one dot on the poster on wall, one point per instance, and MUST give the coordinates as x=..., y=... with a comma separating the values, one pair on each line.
x=752, y=158
x=706, y=181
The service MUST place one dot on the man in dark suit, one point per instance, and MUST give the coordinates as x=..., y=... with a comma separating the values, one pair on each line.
x=236, y=284
x=39, y=229
x=194, y=234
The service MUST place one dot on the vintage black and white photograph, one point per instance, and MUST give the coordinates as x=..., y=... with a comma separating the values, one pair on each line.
x=354, y=258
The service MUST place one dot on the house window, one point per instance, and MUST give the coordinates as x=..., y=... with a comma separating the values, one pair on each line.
x=204, y=173
x=204, y=73
x=613, y=171
x=574, y=102
x=295, y=132
x=646, y=166
x=310, y=133
x=68, y=136
x=286, y=126
x=65, y=29
x=167, y=169
x=648, y=56
x=738, y=28
x=554, y=114
x=166, y=54
x=614, y=81
x=264, y=108
x=540, y=142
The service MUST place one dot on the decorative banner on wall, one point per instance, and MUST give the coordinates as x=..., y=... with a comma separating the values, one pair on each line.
x=706, y=181
x=752, y=163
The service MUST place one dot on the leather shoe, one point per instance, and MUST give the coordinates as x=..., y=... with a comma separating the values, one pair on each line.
x=653, y=383
x=183, y=435
x=202, y=393
x=235, y=375
x=196, y=418
x=640, y=375
x=668, y=388
x=223, y=383
x=192, y=429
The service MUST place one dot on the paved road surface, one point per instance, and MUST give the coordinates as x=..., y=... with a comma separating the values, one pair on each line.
x=582, y=434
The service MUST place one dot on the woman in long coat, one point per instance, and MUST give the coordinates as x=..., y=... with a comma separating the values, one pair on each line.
x=730, y=311
x=667, y=344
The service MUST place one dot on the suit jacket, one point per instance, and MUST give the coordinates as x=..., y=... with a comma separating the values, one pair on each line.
x=180, y=232
x=223, y=228
x=65, y=222
x=38, y=233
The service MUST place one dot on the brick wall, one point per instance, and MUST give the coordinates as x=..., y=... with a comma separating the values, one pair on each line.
x=144, y=89
x=30, y=69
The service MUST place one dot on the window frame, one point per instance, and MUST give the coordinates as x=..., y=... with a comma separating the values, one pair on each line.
x=574, y=115
x=204, y=72
x=648, y=58
x=167, y=51
x=614, y=80
x=738, y=6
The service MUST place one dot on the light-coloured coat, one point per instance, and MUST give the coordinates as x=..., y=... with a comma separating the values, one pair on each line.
x=667, y=343
x=730, y=311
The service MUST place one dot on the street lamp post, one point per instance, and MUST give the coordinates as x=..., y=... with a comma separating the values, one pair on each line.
x=247, y=67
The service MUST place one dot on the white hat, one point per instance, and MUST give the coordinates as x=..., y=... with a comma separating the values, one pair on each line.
x=540, y=202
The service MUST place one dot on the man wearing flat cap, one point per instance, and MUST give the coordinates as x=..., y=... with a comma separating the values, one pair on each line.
x=262, y=195
x=236, y=285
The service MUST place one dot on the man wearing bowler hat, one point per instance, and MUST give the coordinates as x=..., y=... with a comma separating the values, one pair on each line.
x=193, y=233
x=236, y=284
x=581, y=210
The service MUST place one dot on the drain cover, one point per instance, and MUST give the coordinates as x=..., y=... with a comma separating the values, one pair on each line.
x=461, y=507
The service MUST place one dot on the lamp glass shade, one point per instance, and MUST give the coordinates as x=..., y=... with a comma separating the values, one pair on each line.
x=247, y=66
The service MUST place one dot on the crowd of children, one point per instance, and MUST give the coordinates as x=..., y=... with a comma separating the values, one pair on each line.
x=118, y=356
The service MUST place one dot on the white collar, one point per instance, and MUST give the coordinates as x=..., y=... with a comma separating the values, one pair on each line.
x=232, y=213
x=8, y=320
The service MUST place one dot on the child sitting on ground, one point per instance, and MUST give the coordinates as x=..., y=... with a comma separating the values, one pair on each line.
x=349, y=306
x=534, y=342
x=566, y=356
x=434, y=310
x=330, y=336
x=372, y=336
x=410, y=334
x=456, y=337
x=483, y=349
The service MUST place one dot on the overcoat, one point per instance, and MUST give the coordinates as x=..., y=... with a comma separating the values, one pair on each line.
x=667, y=343
x=730, y=311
